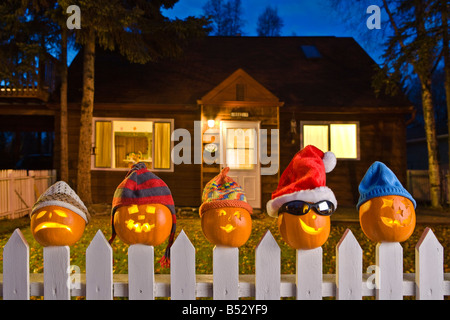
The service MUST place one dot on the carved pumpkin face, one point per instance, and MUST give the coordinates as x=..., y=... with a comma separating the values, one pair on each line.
x=307, y=231
x=148, y=224
x=229, y=226
x=56, y=226
x=387, y=218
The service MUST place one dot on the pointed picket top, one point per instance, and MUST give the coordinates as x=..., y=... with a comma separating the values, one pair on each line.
x=16, y=275
x=99, y=275
x=348, y=267
x=17, y=240
x=99, y=241
x=182, y=242
x=267, y=241
x=429, y=267
x=182, y=269
x=428, y=238
x=267, y=268
x=348, y=241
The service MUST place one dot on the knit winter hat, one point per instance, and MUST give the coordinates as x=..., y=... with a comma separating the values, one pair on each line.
x=222, y=191
x=141, y=186
x=304, y=179
x=60, y=194
x=379, y=181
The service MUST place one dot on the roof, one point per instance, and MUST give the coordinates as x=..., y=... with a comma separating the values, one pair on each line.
x=340, y=76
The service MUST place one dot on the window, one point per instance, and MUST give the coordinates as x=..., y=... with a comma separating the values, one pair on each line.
x=311, y=52
x=241, y=148
x=120, y=142
x=342, y=138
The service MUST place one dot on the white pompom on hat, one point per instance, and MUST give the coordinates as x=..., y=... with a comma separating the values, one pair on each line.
x=62, y=195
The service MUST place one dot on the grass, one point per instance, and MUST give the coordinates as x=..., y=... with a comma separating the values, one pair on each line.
x=204, y=249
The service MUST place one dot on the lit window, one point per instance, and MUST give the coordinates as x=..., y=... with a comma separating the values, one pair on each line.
x=340, y=138
x=120, y=143
x=241, y=148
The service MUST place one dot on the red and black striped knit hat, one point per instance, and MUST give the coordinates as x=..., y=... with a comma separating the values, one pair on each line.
x=141, y=186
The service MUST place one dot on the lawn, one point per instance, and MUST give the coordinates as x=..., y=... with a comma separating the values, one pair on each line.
x=192, y=227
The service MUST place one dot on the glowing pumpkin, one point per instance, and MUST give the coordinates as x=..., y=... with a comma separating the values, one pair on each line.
x=148, y=224
x=228, y=226
x=307, y=231
x=56, y=226
x=387, y=218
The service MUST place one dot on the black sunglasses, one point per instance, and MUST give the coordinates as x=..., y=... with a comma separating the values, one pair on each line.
x=299, y=208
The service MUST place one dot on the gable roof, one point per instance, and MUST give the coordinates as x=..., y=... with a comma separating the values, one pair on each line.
x=227, y=92
x=340, y=77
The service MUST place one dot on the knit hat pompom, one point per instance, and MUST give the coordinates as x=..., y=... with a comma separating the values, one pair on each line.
x=222, y=191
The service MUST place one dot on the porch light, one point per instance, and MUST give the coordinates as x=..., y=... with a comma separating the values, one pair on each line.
x=211, y=123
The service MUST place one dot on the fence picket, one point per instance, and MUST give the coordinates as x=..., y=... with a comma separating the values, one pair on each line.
x=389, y=260
x=429, y=267
x=141, y=277
x=309, y=274
x=225, y=273
x=16, y=262
x=267, y=268
x=225, y=283
x=348, y=268
x=56, y=273
x=99, y=275
x=182, y=269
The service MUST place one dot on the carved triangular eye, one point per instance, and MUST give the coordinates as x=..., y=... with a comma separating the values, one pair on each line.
x=237, y=214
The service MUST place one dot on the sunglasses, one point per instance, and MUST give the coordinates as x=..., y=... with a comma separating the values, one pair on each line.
x=299, y=208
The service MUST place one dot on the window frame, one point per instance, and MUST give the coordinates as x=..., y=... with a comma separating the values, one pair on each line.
x=153, y=120
x=328, y=123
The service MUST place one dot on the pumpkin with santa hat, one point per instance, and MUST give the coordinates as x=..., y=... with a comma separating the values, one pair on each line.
x=302, y=202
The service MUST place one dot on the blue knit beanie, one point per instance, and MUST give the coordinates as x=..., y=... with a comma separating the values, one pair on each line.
x=379, y=181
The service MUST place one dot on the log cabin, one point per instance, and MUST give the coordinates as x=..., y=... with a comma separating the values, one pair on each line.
x=249, y=103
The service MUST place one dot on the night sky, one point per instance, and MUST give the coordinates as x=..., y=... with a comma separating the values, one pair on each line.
x=300, y=17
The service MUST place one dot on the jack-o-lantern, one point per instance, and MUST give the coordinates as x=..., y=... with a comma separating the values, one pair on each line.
x=143, y=211
x=225, y=213
x=302, y=202
x=148, y=224
x=386, y=209
x=304, y=225
x=56, y=226
x=59, y=217
x=387, y=218
x=227, y=226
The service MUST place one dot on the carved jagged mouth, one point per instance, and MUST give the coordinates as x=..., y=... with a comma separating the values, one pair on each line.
x=395, y=223
x=228, y=228
x=52, y=225
x=308, y=229
x=138, y=227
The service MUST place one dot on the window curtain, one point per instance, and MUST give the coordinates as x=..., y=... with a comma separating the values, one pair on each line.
x=162, y=142
x=316, y=135
x=103, y=144
x=343, y=140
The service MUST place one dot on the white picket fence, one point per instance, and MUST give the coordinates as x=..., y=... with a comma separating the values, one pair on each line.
x=19, y=190
x=387, y=282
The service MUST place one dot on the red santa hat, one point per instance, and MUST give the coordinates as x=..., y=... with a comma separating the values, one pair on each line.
x=304, y=179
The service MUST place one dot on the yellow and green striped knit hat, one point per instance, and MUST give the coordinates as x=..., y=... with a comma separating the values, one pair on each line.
x=222, y=191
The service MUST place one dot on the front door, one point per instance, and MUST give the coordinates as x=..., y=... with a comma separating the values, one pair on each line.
x=239, y=151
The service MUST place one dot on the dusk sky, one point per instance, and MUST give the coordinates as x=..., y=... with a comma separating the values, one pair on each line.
x=300, y=17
